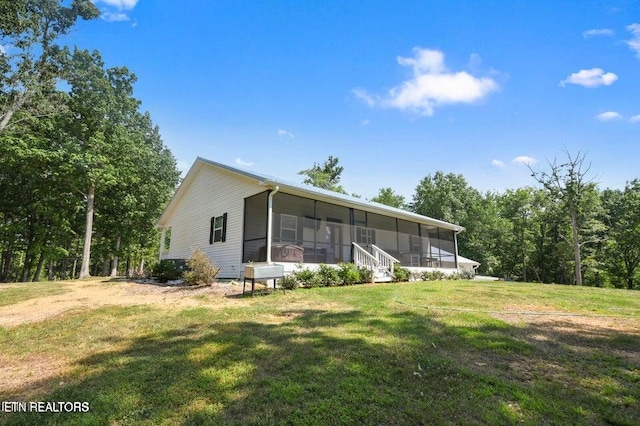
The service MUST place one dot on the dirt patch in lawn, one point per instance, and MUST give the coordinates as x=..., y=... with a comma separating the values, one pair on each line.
x=98, y=293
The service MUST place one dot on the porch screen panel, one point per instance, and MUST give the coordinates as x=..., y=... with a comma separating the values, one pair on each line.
x=447, y=248
x=333, y=236
x=409, y=244
x=385, y=232
x=294, y=228
x=430, y=246
x=255, y=228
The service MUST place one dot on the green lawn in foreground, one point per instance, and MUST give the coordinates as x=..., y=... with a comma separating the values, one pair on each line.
x=370, y=354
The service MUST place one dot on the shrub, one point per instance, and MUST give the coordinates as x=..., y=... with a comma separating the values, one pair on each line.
x=289, y=282
x=466, y=274
x=348, y=273
x=366, y=275
x=307, y=277
x=328, y=276
x=416, y=276
x=201, y=269
x=169, y=269
x=433, y=275
x=401, y=274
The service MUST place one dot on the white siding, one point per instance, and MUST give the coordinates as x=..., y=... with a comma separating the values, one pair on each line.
x=212, y=192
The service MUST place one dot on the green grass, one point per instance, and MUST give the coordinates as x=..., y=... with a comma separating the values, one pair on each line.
x=370, y=354
x=14, y=293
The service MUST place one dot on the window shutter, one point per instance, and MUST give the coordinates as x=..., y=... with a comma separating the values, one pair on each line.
x=224, y=227
x=213, y=221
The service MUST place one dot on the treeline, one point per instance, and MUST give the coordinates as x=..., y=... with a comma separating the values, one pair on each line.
x=566, y=230
x=84, y=173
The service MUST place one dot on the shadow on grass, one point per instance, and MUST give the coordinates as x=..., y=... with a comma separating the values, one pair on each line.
x=324, y=367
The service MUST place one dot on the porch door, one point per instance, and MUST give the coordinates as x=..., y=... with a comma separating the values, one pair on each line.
x=334, y=240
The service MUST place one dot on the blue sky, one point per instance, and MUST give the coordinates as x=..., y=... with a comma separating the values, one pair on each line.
x=397, y=90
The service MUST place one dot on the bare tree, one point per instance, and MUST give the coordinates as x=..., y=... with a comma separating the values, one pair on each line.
x=570, y=185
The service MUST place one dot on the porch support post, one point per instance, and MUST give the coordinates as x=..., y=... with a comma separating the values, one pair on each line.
x=163, y=235
x=455, y=244
x=270, y=222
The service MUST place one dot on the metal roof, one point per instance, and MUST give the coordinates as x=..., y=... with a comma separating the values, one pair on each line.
x=313, y=192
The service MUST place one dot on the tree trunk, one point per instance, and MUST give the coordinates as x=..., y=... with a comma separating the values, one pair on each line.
x=28, y=260
x=51, y=271
x=630, y=283
x=105, y=267
x=114, y=264
x=576, y=245
x=128, y=266
x=86, y=251
x=36, y=275
x=13, y=108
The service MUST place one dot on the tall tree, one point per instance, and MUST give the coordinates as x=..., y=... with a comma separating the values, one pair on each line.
x=101, y=106
x=388, y=197
x=325, y=176
x=622, y=251
x=570, y=186
x=445, y=197
x=517, y=208
x=32, y=61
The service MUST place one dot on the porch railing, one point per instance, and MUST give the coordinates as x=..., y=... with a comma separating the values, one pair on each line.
x=385, y=260
x=363, y=259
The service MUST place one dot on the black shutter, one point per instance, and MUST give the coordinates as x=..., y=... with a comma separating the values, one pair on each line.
x=213, y=221
x=224, y=227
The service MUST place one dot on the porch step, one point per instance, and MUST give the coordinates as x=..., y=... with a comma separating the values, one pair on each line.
x=382, y=277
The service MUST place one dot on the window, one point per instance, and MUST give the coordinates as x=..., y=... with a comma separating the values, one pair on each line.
x=288, y=227
x=218, y=230
x=365, y=235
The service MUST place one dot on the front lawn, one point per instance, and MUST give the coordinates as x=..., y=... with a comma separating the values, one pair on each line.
x=441, y=352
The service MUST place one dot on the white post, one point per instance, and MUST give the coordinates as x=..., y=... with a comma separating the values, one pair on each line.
x=270, y=222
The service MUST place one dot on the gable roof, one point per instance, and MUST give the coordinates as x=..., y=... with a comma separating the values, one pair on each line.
x=302, y=190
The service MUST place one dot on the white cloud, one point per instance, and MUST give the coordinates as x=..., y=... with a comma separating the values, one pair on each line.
x=523, y=159
x=609, y=116
x=364, y=123
x=119, y=4
x=432, y=85
x=283, y=133
x=3, y=49
x=114, y=16
x=242, y=163
x=594, y=77
x=634, y=43
x=597, y=32
x=114, y=10
x=497, y=163
x=635, y=119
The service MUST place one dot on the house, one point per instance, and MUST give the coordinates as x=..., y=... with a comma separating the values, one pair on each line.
x=237, y=216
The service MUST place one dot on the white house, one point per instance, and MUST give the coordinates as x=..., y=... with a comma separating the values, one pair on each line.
x=237, y=217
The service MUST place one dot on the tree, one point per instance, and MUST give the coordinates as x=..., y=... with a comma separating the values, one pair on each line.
x=445, y=197
x=569, y=186
x=517, y=208
x=32, y=61
x=101, y=106
x=388, y=197
x=622, y=250
x=326, y=176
